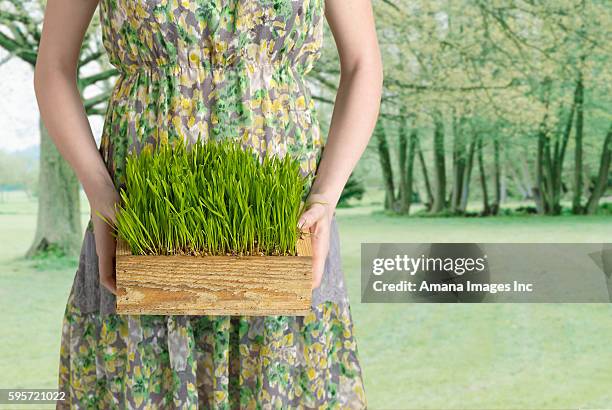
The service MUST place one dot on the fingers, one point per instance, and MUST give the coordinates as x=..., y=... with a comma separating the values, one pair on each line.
x=105, y=249
x=307, y=220
x=320, y=249
x=110, y=283
x=310, y=217
x=106, y=269
x=316, y=221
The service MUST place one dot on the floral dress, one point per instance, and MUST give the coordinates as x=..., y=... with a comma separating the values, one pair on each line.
x=212, y=69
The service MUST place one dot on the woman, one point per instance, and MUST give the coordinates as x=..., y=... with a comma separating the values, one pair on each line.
x=220, y=69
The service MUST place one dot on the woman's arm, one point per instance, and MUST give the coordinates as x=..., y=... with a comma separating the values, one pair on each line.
x=63, y=113
x=353, y=119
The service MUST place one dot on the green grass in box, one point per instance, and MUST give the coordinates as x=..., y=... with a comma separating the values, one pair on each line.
x=210, y=198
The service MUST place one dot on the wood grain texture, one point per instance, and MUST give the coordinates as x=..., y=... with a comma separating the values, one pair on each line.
x=304, y=246
x=214, y=285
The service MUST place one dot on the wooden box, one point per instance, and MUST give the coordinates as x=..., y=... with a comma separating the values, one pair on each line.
x=214, y=285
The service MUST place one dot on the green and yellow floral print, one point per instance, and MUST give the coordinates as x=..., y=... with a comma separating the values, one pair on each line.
x=220, y=69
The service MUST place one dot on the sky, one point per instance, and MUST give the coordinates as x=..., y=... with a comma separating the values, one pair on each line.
x=18, y=108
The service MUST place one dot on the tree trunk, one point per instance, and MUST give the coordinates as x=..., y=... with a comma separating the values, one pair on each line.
x=496, y=179
x=58, y=227
x=439, y=203
x=538, y=195
x=410, y=168
x=602, y=175
x=385, y=164
x=407, y=148
x=467, y=175
x=546, y=200
x=459, y=166
x=545, y=165
x=559, y=152
x=553, y=204
x=483, y=179
x=403, y=205
x=425, y=173
x=577, y=198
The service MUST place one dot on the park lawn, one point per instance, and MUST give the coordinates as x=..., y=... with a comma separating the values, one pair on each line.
x=487, y=356
x=428, y=356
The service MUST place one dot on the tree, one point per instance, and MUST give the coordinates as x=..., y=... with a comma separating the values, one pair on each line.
x=58, y=222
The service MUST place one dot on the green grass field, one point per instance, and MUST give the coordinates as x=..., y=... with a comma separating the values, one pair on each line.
x=415, y=356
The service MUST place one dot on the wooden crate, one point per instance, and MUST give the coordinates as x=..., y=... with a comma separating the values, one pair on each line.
x=214, y=285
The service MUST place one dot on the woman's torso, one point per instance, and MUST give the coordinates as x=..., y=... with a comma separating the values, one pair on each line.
x=212, y=69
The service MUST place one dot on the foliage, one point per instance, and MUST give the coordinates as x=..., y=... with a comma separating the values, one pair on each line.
x=354, y=188
x=17, y=172
x=604, y=209
x=212, y=198
x=491, y=83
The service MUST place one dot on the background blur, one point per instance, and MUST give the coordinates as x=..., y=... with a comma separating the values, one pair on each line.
x=495, y=126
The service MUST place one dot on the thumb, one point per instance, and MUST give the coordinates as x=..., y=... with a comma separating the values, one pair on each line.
x=310, y=217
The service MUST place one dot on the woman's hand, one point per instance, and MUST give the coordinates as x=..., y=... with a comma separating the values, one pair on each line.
x=316, y=220
x=106, y=243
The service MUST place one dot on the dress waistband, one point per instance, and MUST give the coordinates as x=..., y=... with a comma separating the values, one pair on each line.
x=210, y=67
